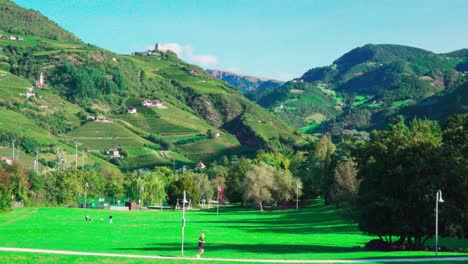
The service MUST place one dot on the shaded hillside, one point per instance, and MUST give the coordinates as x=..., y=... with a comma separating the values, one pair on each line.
x=372, y=84
x=245, y=83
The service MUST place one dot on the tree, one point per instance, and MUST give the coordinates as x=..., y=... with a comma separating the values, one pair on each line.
x=235, y=179
x=345, y=183
x=285, y=185
x=400, y=173
x=204, y=185
x=176, y=190
x=259, y=183
x=323, y=153
x=454, y=166
x=275, y=159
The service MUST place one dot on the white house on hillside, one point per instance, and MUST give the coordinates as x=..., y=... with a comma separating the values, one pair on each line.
x=132, y=110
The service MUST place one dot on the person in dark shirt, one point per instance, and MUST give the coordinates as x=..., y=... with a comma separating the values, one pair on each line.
x=201, y=243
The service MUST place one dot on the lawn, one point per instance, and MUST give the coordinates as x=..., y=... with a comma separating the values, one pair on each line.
x=315, y=232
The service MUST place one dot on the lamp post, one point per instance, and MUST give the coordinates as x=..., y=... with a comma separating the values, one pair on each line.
x=298, y=186
x=86, y=188
x=142, y=188
x=76, y=155
x=13, y=154
x=184, y=201
x=438, y=200
x=217, y=198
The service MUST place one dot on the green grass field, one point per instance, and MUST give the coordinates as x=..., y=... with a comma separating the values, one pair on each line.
x=316, y=232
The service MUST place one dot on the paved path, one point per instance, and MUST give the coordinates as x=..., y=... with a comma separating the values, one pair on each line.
x=80, y=253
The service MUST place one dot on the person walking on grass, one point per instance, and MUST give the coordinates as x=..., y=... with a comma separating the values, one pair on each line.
x=201, y=243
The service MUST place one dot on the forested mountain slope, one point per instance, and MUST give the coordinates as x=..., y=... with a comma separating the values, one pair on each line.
x=368, y=86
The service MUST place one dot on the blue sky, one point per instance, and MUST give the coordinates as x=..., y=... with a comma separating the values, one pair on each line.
x=276, y=39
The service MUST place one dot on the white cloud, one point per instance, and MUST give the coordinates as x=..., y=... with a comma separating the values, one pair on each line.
x=186, y=52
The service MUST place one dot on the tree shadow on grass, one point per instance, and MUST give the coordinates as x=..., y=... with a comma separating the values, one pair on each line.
x=256, y=248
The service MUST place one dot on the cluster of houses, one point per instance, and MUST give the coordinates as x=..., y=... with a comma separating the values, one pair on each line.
x=98, y=118
x=148, y=103
x=155, y=52
x=12, y=37
x=154, y=103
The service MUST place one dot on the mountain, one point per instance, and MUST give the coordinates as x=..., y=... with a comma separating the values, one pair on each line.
x=368, y=86
x=155, y=109
x=245, y=83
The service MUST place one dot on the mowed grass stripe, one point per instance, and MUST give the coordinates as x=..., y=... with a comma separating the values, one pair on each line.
x=316, y=232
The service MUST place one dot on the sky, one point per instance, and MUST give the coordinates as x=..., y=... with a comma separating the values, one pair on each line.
x=273, y=39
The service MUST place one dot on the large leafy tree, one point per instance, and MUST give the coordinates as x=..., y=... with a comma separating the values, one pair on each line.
x=399, y=168
x=235, y=179
x=259, y=183
x=454, y=166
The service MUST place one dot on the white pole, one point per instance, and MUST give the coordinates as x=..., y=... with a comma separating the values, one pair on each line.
x=13, y=155
x=86, y=187
x=76, y=155
x=217, y=198
x=297, y=197
x=183, y=222
x=437, y=223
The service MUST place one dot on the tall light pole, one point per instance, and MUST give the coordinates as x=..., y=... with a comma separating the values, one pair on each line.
x=13, y=143
x=142, y=188
x=298, y=186
x=217, y=198
x=183, y=222
x=76, y=155
x=438, y=200
x=86, y=187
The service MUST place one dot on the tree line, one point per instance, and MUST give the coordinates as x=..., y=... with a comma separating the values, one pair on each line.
x=388, y=179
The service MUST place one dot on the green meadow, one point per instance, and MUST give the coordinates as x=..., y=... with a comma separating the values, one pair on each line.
x=315, y=232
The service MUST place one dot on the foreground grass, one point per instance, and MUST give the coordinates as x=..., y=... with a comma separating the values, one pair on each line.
x=316, y=232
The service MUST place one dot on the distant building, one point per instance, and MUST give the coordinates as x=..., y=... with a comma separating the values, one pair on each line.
x=102, y=119
x=114, y=59
x=200, y=165
x=217, y=135
x=114, y=153
x=30, y=94
x=7, y=160
x=20, y=38
x=41, y=83
x=155, y=52
x=132, y=110
x=153, y=103
x=12, y=37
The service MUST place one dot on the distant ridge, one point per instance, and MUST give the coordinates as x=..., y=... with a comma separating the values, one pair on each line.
x=245, y=83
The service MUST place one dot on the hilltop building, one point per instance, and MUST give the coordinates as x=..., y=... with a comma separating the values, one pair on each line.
x=155, y=52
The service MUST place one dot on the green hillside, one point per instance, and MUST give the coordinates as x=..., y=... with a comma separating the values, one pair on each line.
x=83, y=82
x=370, y=85
x=17, y=20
